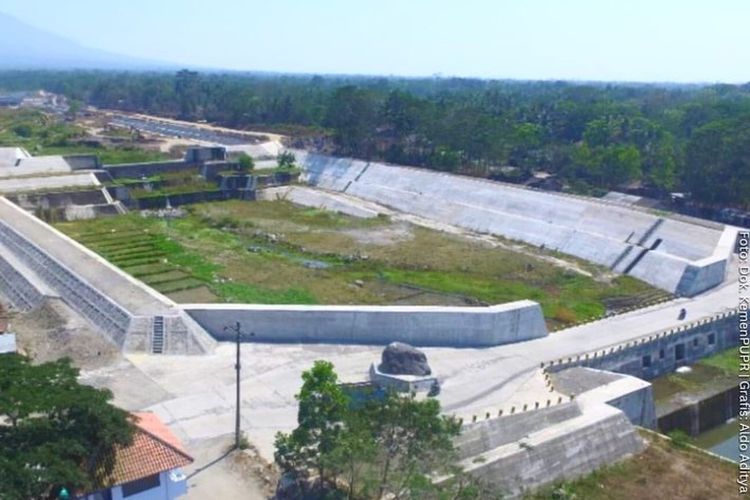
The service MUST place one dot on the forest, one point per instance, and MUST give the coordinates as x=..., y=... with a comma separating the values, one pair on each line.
x=660, y=138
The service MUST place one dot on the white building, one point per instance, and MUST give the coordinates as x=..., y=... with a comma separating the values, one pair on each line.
x=148, y=469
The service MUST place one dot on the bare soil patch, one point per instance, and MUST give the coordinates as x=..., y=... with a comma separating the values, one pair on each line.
x=52, y=331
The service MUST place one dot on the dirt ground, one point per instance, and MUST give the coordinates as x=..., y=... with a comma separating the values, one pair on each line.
x=217, y=473
x=52, y=331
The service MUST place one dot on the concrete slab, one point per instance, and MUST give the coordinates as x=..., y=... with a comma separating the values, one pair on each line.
x=49, y=183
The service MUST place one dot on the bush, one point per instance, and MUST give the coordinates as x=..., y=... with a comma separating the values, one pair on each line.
x=680, y=438
x=246, y=163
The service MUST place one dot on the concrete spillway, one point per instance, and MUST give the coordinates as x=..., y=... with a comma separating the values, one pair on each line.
x=676, y=255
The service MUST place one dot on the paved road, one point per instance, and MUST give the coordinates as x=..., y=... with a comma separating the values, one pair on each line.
x=186, y=131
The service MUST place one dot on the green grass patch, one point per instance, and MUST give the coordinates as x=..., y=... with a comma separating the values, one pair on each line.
x=178, y=285
x=43, y=134
x=244, y=293
x=272, y=251
x=145, y=270
x=727, y=361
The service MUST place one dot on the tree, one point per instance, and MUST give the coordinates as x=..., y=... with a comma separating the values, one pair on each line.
x=718, y=163
x=387, y=446
x=322, y=407
x=246, y=163
x=413, y=441
x=54, y=432
x=186, y=86
x=352, y=114
x=286, y=159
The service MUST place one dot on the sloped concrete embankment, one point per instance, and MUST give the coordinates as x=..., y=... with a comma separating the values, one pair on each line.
x=43, y=262
x=671, y=254
x=520, y=452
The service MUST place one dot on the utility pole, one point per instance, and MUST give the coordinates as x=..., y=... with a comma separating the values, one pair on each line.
x=237, y=329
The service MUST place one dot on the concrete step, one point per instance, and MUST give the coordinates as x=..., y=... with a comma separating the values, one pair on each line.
x=650, y=232
x=157, y=342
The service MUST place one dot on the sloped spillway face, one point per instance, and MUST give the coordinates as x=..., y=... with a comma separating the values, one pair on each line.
x=670, y=254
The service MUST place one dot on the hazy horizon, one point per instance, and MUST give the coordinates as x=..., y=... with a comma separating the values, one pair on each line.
x=582, y=40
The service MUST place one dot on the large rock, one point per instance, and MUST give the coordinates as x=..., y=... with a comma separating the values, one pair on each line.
x=402, y=359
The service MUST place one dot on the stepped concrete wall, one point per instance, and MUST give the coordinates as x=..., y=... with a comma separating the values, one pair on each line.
x=556, y=449
x=416, y=325
x=594, y=230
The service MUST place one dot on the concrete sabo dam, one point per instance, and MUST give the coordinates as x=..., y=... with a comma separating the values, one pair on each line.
x=682, y=256
x=498, y=367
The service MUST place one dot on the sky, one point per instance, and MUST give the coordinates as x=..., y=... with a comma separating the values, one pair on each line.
x=612, y=40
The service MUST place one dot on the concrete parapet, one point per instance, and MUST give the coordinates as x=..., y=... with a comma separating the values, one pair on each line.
x=379, y=325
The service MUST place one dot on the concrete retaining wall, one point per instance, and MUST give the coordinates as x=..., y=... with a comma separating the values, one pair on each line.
x=16, y=288
x=415, y=325
x=533, y=456
x=147, y=169
x=703, y=415
x=82, y=297
x=31, y=201
x=662, y=352
x=597, y=231
x=83, y=162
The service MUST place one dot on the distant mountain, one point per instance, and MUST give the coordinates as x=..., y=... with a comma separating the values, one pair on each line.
x=26, y=47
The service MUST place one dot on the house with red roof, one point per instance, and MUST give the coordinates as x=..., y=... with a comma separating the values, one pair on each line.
x=150, y=468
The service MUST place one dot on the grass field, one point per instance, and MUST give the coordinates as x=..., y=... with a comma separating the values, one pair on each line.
x=41, y=135
x=276, y=252
x=711, y=374
x=663, y=470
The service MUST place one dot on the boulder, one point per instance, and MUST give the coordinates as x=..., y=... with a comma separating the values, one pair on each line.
x=402, y=359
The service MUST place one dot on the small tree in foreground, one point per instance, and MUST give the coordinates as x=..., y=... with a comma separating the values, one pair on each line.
x=246, y=163
x=286, y=159
x=388, y=446
x=54, y=432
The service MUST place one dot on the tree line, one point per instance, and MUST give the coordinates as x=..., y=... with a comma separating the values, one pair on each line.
x=667, y=137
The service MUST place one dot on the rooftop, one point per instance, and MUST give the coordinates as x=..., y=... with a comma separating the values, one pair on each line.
x=155, y=449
